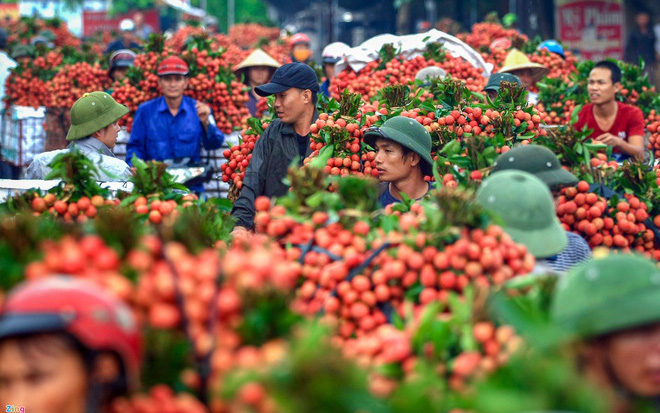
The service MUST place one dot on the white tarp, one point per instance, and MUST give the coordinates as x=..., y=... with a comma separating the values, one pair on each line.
x=411, y=46
x=185, y=7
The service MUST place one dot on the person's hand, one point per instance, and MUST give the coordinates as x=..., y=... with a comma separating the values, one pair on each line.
x=609, y=139
x=203, y=111
x=133, y=170
x=240, y=232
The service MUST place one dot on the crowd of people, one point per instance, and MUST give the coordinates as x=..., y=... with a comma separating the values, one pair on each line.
x=52, y=329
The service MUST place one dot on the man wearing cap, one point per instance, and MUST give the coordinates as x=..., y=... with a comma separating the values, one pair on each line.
x=527, y=211
x=120, y=61
x=552, y=46
x=332, y=54
x=126, y=38
x=94, y=132
x=517, y=63
x=538, y=161
x=286, y=140
x=429, y=73
x=256, y=70
x=300, y=50
x=210, y=24
x=173, y=126
x=613, y=123
x=493, y=86
x=403, y=158
x=607, y=312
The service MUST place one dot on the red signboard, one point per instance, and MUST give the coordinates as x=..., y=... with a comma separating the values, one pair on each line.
x=592, y=27
x=95, y=21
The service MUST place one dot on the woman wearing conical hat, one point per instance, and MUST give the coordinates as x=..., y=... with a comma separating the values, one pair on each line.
x=517, y=63
x=256, y=70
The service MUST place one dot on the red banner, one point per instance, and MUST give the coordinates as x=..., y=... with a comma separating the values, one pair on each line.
x=593, y=27
x=95, y=21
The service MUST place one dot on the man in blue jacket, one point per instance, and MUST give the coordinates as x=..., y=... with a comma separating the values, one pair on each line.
x=172, y=126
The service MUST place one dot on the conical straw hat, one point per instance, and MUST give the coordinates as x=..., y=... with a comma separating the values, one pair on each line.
x=517, y=60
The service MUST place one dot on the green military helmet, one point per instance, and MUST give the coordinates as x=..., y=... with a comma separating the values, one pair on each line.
x=49, y=35
x=22, y=50
x=406, y=132
x=527, y=209
x=93, y=112
x=496, y=78
x=606, y=295
x=537, y=160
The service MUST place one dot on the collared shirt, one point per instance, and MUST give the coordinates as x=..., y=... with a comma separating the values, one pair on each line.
x=386, y=198
x=157, y=135
x=577, y=250
x=274, y=151
x=92, y=145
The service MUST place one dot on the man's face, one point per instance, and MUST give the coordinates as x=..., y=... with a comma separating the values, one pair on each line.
x=138, y=18
x=329, y=70
x=119, y=73
x=642, y=19
x=391, y=164
x=46, y=377
x=173, y=86
x=600, y=87
x=127, y=36
x=525, y=76
x=634, y=356
x=259, y=75
x=291, y=104
x=108, y=135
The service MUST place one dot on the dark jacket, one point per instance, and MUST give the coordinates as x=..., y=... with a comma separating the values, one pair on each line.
x=274, y=151
x=641, y=45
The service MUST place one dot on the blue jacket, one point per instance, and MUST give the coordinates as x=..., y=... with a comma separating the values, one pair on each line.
x=157, y=135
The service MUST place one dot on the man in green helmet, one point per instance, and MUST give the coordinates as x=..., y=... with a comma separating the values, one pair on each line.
x=403, y=158
x=610, y=308
x=94, y=132
x=538, y=161
x=493, y=86
x=526, y=208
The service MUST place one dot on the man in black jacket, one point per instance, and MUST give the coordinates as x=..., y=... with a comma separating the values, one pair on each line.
x=286, y=139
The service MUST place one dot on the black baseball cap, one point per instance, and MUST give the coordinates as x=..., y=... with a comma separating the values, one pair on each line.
x=297, y=75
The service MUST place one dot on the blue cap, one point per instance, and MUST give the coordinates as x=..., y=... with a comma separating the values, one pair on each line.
x=552, y=46
x=297, y=75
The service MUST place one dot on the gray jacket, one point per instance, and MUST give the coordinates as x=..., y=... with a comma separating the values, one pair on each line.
x=110, y=167
x=273, y=153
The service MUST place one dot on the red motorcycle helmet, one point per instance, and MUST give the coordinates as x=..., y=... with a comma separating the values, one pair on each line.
x=99, y=321
x=299, y=38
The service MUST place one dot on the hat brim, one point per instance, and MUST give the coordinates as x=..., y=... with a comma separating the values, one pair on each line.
x=271, y=89
x=371, y=137
x=557, y=178
x=538, y=70
x=173, y=72
x=612, y=316
x=541, y=243
x=123, y=63
x=85, y=129
x=21, y=324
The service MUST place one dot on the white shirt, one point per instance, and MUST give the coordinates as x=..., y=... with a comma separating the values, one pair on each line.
x=532, y=98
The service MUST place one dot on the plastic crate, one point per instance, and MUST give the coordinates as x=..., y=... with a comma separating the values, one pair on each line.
x=22, y=135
